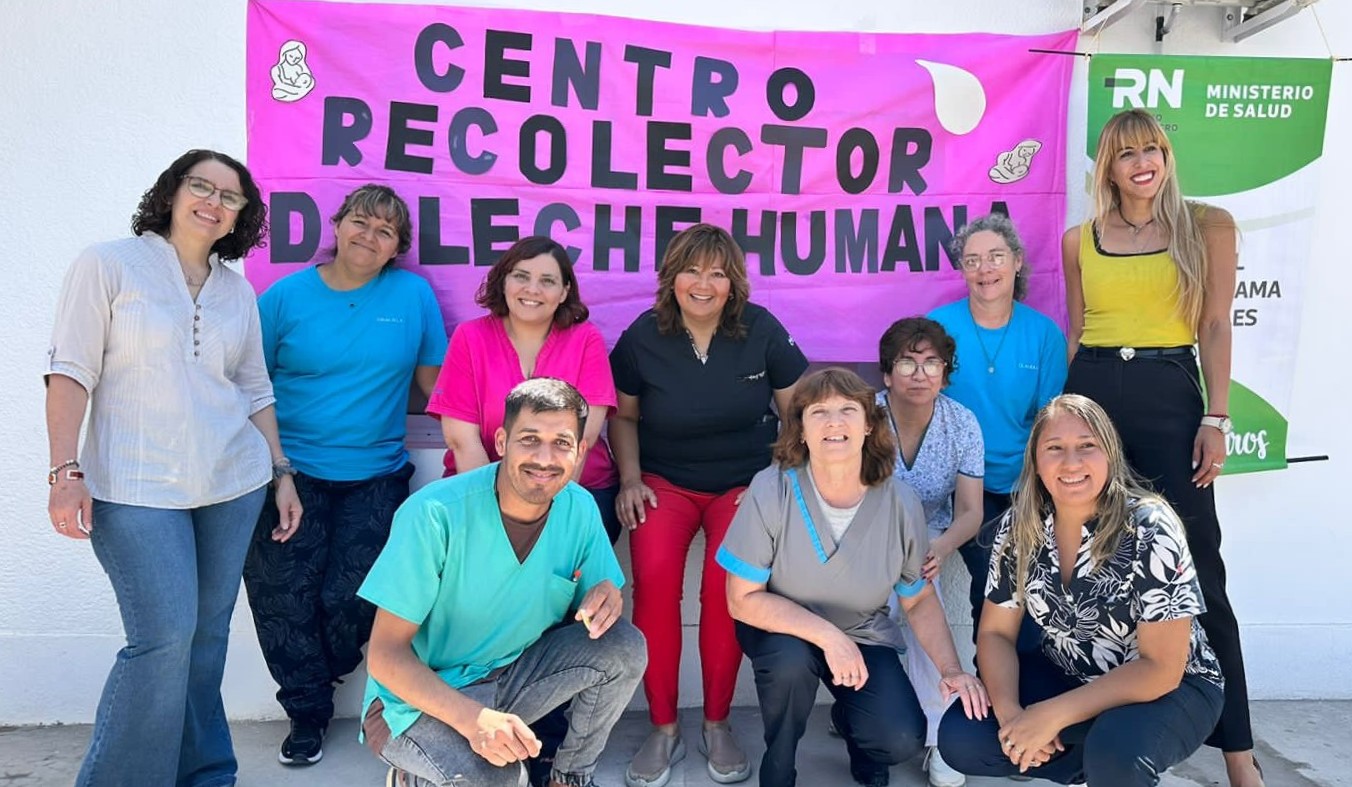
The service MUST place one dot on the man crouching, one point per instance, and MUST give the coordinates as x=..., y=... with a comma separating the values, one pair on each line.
x=498, y=599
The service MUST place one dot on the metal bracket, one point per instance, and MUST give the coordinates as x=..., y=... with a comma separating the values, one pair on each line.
x=1098, y=16
x=1242, y=23
x=1243, y=18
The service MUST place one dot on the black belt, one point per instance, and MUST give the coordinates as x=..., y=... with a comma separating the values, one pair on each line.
x=1128, y=353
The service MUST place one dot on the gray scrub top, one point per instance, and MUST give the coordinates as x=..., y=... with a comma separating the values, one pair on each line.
x=780, y=538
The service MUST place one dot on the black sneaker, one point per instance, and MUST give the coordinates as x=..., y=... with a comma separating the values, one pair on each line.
x=304, y=746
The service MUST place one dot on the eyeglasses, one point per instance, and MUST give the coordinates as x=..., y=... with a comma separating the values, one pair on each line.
x=906, y=367
x=995, y=259
x=203, y=189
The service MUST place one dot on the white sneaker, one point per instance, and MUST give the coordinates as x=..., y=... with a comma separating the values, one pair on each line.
x=941, y=774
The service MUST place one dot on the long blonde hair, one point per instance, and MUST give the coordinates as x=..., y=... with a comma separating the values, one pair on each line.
x=1179, y=218
x=1032, y=501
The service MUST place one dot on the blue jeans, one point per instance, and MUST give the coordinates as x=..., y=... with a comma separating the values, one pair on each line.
x=176, y=574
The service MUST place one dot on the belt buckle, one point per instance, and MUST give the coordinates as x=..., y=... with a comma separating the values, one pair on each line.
x=1126, y=353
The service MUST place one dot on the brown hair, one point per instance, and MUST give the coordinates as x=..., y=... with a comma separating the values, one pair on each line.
x=156, y=210
x=492, y=292
x=379, y=202
x=909, y=333
x=702, y=246
x=880, y=450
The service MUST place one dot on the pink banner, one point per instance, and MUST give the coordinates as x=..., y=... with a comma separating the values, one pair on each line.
x=842, y=162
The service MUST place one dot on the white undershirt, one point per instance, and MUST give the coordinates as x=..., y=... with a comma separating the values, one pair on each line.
x=838, y=519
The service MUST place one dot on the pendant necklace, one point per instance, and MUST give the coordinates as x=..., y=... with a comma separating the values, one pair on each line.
x=990, y=359
x=702, y=357
x=1136, y=229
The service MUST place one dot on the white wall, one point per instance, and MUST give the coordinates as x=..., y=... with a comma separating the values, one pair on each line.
x=98, y=97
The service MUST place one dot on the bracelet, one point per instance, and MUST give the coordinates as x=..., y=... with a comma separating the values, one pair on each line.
x=281, y=467
x=1215, y=415
x=74, y=474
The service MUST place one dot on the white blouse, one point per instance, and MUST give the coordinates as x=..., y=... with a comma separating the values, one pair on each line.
x=171, y=383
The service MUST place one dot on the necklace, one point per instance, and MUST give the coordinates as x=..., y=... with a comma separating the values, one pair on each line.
x=990, y=359
x=194, y=281
x=1136, y=229
x=702, y=357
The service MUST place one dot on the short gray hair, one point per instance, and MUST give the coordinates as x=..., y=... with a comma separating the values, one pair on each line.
x=1000, y=224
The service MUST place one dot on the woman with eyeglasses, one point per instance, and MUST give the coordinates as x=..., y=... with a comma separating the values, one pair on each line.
x=344, y=340
x=940, y=455
x=1149, y=284
x=161, y=341
x=1010, y=361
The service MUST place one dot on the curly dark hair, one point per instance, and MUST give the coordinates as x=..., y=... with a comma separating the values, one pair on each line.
x=492, y=293
x=909, y=333
x=155, y=213
x=702, y=245
x=380, y=202
x=880, y=449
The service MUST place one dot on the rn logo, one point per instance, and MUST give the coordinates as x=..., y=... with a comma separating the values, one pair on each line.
x=1128, y=84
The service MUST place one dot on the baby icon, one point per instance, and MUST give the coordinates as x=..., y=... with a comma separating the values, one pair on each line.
x=291, y=78
x=1013, y=165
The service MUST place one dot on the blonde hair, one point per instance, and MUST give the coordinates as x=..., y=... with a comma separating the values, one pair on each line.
x=1179, y=218
x=1032, y=502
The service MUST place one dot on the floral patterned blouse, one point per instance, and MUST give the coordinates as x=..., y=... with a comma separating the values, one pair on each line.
x=1089, y=627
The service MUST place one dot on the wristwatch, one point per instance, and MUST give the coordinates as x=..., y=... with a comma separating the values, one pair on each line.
x=1221, y=422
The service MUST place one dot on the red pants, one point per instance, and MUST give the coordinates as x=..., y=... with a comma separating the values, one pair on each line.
x=659, y=547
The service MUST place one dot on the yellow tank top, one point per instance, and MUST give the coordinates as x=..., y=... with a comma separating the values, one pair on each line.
x=1129, y=300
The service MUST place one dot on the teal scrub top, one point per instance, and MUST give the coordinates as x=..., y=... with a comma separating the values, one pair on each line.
x=450, y=568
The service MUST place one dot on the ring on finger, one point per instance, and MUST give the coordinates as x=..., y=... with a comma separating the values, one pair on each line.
x=61, y=525
x=1218, y=465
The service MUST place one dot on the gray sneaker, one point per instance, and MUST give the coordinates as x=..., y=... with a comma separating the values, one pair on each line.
x=651, y=766
x=727, y=762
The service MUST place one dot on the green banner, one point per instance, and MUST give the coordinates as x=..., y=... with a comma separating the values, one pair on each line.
x=1248, y=134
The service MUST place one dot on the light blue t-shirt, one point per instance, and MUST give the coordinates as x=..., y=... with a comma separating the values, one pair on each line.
x=450, y=568
x=342, y=364
x=950, y=447
x=1029, y=369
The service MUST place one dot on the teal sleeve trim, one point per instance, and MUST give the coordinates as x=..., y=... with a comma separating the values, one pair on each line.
x=909, y=590
x=743, y=569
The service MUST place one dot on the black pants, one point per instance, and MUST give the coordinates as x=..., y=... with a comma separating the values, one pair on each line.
x=1125, y=746
x=303, y=593
x=976, y=555
x=1156, y=405
x=881, y=722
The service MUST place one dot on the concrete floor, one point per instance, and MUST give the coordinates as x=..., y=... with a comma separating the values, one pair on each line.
x=1300, y=744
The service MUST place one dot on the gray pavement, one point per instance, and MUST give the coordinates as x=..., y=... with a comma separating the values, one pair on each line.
x=1300, y=744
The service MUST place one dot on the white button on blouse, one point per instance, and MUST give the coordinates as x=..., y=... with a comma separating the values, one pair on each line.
x=171, y=383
